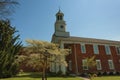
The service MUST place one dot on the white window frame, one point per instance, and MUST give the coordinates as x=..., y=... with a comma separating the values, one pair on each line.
x=83, y=48
x=107, y=50
x=98, y=64
x=118, y=50
x=111, y=65
x=84, y=64
x=95, y=49
x=70, y=65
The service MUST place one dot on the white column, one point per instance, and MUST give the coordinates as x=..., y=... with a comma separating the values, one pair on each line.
x=63, y=67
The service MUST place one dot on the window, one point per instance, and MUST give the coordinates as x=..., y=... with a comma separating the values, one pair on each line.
x=118, y=50
x=84, y=64
x=98, y=64
x=70, y=65
x=60, y=17
x=83, y=49
x=57, y=17
x=110, y=63
x=107, y=49
x=95, y=48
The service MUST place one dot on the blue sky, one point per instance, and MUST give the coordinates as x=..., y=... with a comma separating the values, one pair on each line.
x=34, y=19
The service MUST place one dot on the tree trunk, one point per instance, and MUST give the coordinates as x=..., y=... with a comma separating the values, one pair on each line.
x=43, y=74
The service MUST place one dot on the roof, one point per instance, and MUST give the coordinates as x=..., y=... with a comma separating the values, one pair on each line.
x=59, y=13
x=88, y=40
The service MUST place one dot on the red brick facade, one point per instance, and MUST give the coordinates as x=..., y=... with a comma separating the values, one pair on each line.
x=76, y=56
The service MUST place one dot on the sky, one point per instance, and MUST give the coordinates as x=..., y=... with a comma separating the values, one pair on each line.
x=34, y=19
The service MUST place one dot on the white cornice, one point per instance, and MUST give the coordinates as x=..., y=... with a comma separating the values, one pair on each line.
x=87, y=40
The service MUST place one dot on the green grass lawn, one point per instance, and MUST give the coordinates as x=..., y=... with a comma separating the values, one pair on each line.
x=107, y=78
x=36, y=76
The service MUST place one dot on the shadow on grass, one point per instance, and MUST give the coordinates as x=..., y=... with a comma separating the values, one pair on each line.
x=39, y=75
x=31, y=75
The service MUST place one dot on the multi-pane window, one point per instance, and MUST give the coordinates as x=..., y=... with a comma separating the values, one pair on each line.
x=83, y=49
x=107, y=49
x=118, y=50
x=70, y=65
x=110, y=63
x=95, y=48
x=59, y=17
x=84, y=64
x=98, y=64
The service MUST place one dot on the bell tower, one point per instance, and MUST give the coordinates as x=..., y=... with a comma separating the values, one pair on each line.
x=59, y=33
x=60, y=25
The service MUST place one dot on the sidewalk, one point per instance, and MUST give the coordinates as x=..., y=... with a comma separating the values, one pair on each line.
x=84, y=78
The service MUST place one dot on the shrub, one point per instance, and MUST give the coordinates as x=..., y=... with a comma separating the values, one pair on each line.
x=117, y=73
x=111, y=73
x=104, y=73
x=99, y=73
x=59, y=73
x=94, y=75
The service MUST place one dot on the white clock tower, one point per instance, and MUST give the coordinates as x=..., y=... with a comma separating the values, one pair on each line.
x=60, y=25
x=60, y=32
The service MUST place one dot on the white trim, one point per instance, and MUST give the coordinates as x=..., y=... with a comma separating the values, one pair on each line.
x=84, y=42
x=107, y=50
x=70, y=65
x=95, y=49
x=111, y=65
x=118, y=50
x=83, y=48
x=84, y=64
x=98, y=64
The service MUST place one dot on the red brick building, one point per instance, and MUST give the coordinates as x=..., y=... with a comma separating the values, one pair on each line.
x=106, y=52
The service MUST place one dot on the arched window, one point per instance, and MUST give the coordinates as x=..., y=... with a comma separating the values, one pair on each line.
x=60, y=17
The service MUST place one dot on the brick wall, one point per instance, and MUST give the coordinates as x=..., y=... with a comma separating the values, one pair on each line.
x=77, y=53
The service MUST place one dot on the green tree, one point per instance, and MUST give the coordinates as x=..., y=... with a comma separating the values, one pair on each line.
x=9, y=48
x=40, y=54
x=7, y=7
x=90, y=62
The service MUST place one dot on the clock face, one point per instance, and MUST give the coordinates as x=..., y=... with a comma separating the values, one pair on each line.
x=61, y=26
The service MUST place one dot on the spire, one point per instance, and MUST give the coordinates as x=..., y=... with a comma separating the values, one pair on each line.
x=59, y=10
